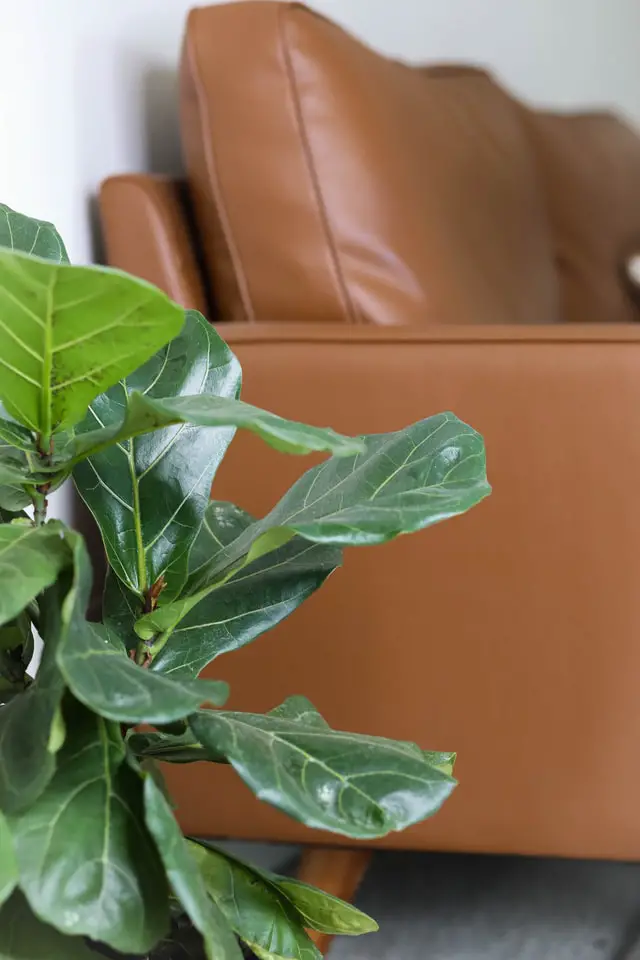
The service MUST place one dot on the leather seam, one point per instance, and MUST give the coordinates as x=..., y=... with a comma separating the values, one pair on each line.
x=214, y=179
x=305, y=143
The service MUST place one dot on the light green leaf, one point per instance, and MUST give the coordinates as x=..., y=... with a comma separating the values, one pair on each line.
x=261, y=916
x=316, y=909
x=87, y=863
x=149, y=494
x=144, y=414
x=257, y=599
x=30, y=560
x=28, y=721
x=322, y=911
x=37, y=237
x=96, y=667
x=24, y=937
x=405, y=481
x=185, y=879
x=68, y=333
x=359, y=786
x=8, y=865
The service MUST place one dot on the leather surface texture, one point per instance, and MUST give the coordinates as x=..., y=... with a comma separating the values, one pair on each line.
x=333, y=184
x=509, y=634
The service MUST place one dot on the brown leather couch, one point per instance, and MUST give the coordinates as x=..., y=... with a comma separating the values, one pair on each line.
x=379, y=242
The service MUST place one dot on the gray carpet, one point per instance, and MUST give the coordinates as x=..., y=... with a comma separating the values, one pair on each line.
x=446, y=907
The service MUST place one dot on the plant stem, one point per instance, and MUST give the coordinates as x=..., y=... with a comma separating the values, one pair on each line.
x=39, y=507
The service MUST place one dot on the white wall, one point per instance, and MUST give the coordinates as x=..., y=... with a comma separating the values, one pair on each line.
x=87, y=87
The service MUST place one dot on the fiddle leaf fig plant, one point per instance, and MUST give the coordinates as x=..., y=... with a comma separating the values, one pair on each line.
x=106, y=381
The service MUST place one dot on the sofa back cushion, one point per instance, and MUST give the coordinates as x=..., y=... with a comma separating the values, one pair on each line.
x=590, y=167
x=333, y=184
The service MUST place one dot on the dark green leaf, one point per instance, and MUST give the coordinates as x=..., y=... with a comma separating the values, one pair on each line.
x=184, y=876
x=360, y=786
x=254, y=601
x=261, y=916
x=168, y=747
x=149, y=494
x=97, y=669
x=8, y=865
x=87, y=864
x=38, y=237
x=31, y=731
x=405, y=481
x=24, y=937
x=68, y=333
x=120, y=609
x=30, y=560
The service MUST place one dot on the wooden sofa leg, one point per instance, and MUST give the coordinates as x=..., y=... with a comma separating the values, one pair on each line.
x=336, y=871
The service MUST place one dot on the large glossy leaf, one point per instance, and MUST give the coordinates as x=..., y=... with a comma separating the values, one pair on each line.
x=185, y=878
x=261, y=916
x=144, y=414
x=315, y=909
x=360, y=786
x=24, y=937
x=96, y=667
x=31, y=732
x=258, y=598
x=68, y=333
x=149, y=494
x=30, y=561
x=405, y=481
x=87, y=863
x=38, y=237
x=8, y=865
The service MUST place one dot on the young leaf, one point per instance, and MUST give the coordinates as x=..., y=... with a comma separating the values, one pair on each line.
x=37, y=237
x=8, y=865
x=24, y=937
x=87, y=863
x=359, y=786
x=98, y=671
x=316, y=909
x=144, y=414
x=68, y=333
x=255, y=909
x=185, y=879
x=254, y=601
x=30, y=729
x=404, y=481
x=149, y=494
x=30, y=560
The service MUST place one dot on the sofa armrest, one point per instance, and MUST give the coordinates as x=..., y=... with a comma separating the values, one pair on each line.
x=147, y=233
x=509, y=634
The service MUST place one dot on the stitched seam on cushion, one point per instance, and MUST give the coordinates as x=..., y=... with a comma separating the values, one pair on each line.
x=212, y=171
x=347, y=303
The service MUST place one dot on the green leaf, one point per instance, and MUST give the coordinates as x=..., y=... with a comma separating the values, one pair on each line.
x=87, y=863
x=168, y=747
x=30, y=560
x=322, y=911
x=25, y=234
x=404, y=481
x=8, y=865
x=68, y=333
x=185, y=879
x=356, y=785
x=261, y=916
x=24, y=937
x=97, y=669
x=149, y=494
x=254, y=601
x=30, y=732
x=144, y=414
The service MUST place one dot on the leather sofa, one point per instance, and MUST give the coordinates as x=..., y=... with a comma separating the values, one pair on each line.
x=378, y=242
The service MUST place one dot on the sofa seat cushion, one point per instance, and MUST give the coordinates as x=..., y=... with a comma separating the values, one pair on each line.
x=333, y=184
